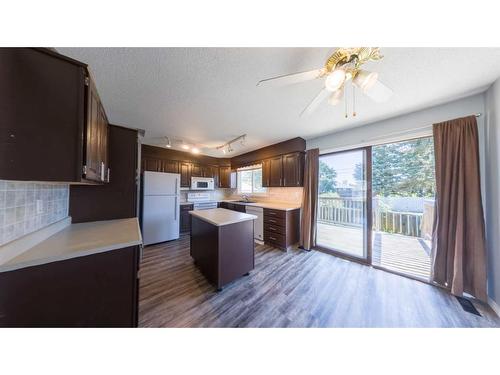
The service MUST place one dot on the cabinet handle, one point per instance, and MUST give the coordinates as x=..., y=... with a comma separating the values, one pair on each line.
x=272, y=238
x=109, y=172
x=272, y=228
x=102, y=171
x=272, y=221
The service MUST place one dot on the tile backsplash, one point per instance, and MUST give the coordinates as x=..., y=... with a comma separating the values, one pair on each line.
x=275, y=194
x=29, y=206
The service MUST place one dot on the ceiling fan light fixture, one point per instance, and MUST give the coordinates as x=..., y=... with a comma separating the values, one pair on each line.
x=335, y=80
x=365, y=79
x=336, y=96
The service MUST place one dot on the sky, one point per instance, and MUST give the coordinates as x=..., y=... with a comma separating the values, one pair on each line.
x=344, y=163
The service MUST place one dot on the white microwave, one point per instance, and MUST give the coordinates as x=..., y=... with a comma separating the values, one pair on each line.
x=202, y=183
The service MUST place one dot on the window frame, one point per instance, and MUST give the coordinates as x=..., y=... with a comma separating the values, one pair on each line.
x=251, y=169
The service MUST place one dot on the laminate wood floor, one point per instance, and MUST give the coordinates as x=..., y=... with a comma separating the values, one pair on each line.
x=293, y=289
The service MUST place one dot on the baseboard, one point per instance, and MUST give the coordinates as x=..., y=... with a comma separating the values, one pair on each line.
x=494, y=306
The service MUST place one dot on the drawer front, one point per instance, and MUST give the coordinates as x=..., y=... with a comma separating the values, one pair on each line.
x=186, y=207
x=274, y=220
x=274, y=238
x=274, y=229
x=274, y=213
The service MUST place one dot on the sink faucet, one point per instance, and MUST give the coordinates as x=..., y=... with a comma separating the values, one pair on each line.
x=245, y=197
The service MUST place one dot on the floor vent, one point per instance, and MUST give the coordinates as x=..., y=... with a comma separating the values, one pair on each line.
x=468, y=306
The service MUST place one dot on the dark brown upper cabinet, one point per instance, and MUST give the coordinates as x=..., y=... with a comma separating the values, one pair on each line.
x=170, y=166
x=227, y=178
x=185, y=171
x=44, y=119
x=293, y=169
x=276, y=171
x=196, y=170
x=151, y=164
x=95, y=166
x=284, y=170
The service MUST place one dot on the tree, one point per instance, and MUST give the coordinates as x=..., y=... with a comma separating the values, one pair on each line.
x=327, y=178
x=404, y=168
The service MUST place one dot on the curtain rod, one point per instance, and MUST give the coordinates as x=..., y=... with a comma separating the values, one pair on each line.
x=388, y=135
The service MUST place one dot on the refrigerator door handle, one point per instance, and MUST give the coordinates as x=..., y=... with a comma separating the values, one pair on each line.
x=175, y=209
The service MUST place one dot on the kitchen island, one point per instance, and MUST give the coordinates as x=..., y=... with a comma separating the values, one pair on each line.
x=222, y=244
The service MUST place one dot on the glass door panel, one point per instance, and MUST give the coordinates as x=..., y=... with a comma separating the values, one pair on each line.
x=342, y=203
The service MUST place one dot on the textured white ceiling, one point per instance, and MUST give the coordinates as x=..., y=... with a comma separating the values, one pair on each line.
x=208, y=96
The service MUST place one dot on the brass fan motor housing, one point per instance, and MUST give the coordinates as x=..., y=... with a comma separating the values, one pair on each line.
x=351, y=56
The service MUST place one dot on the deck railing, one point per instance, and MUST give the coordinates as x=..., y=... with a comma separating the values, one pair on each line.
x=350, y=212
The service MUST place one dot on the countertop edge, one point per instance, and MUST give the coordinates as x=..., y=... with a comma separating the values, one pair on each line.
x=221, y=224
x=39, y=262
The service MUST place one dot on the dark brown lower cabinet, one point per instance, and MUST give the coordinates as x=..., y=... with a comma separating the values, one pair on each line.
x=233, y=206
x=281, y=228
x=185, y=222
x=98, y=290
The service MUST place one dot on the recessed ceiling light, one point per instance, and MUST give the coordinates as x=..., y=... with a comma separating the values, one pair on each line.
x=194, y=150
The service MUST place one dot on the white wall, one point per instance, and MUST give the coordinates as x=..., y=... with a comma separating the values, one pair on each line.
x=411, y=125
x=492, y=187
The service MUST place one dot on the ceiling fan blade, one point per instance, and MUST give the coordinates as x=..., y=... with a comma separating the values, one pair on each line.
x=290, y=79
x=379, y=92
x=322, y=95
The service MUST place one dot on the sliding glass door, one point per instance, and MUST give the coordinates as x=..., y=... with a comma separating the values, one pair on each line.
x=344, y=211
x=403, y=206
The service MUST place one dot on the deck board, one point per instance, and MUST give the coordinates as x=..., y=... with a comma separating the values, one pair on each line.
x=395, y=252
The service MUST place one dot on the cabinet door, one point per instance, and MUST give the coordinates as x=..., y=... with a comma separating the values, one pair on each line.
x=225, y=177
x=152, y=165
x=92, y=135
x=103, y=144
x=170, y=166
x=266, y=173
x=185, y=171
x=196, y=170
x=293, y=165
x=276, y=171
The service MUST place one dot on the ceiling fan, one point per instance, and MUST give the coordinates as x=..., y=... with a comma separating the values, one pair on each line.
x=343, y=66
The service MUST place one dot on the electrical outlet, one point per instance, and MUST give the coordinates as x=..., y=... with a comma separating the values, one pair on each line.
x=39, y=206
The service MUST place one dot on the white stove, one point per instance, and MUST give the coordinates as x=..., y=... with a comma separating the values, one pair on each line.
x=201, y=201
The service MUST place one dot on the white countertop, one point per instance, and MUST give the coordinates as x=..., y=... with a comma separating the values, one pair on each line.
x=78, y=240
x=271, y=205
x=221, y=216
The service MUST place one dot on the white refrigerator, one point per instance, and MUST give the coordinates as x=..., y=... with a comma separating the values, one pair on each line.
x=160, y=208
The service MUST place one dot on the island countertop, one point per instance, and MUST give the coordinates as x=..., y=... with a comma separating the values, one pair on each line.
x=221, y=216
x=79, y=240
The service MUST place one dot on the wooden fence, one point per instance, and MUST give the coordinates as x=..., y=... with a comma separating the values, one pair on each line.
x=350, y=212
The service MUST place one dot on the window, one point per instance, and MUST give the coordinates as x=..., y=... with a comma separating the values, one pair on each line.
x=250, y=181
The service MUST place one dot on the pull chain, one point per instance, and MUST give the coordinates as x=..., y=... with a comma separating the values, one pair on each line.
x=345, y=100
x=353, y=101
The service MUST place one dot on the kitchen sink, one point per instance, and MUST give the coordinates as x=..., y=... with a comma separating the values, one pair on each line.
x=243, y=201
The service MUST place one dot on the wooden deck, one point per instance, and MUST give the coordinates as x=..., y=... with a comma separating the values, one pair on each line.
x=395, y=252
